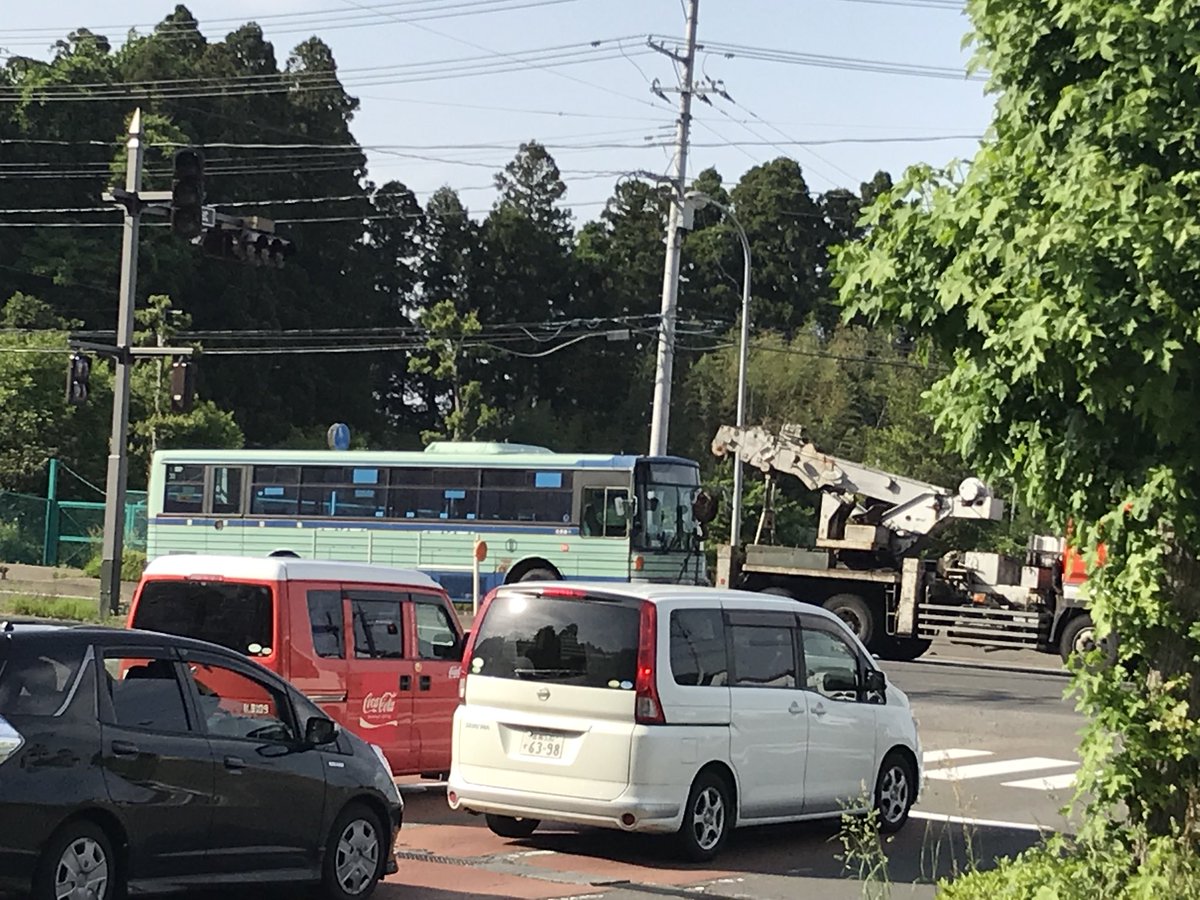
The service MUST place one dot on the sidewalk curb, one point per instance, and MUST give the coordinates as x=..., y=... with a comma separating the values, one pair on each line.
x=950, y=662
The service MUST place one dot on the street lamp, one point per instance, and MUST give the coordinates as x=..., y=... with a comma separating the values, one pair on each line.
x=693, y=201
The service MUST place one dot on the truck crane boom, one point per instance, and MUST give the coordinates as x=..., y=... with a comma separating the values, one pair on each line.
x=862, y=508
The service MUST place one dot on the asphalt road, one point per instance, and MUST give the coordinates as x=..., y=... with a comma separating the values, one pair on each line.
x=1000, y=757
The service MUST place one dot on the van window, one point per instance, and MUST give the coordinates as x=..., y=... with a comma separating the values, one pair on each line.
x=234, y=615
x=590, y=643
x=378, y=627
x=830, y=665
x=38, y=682
x=325, y=619
x=436, y=637
x=763, y=657
x=698, y=655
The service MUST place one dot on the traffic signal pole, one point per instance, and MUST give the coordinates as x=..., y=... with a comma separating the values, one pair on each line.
x=118, y=447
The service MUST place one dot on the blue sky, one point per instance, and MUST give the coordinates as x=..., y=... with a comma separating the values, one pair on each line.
x=464, y=128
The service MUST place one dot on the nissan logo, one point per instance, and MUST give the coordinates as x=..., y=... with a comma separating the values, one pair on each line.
x=543, y=694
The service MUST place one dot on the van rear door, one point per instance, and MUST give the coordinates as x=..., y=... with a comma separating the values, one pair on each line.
x=549, y=701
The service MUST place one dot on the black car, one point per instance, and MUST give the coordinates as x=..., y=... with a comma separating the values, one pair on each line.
x=142, y=761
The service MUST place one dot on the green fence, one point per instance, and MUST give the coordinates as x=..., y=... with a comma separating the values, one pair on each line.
x=51, y=532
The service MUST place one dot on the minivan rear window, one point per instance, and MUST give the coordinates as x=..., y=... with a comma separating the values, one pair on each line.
x=232, y=614
x=589, y=643
x=38, y=681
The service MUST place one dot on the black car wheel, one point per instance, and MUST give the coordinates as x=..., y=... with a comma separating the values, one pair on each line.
x=77, y=864
x=895, y=792
x=355, y=854
x=509, y=827
x=707, y=818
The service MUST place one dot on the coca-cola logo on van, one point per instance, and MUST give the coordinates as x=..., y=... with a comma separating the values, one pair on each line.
x=380, y=704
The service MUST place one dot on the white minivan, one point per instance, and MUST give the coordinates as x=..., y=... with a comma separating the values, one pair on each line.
x=667, y=708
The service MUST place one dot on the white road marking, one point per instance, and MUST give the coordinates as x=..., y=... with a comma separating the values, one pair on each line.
x=1002, y=767
x=984, y=823
x=1046, y=783
x=934, y=757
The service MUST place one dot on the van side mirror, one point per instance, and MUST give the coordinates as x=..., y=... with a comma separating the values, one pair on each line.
x=874, y=681
x=319, y=731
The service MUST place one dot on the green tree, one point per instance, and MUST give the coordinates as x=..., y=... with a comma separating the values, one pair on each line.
x=1059, y=273
x=464, y=413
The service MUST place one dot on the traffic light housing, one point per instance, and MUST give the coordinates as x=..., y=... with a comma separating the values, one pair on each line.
x=187, y=193
x=183, y=386
x=78, y=373
x=256, y=248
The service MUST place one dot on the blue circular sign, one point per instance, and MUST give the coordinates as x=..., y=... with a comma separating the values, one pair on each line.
x=338, y=436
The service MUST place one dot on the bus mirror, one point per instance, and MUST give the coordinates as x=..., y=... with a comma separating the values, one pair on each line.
x=704, y=507
x=619, y=506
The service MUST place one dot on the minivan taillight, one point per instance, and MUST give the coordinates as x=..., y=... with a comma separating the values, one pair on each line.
x=470, y=647
x=647, y=708
x=10, y=740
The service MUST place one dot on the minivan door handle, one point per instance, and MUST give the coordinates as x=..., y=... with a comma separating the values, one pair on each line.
x=819, y=709
x=406, y=682
x=425, y=682
x=124, y=748
x=234, y=763
x=795, y=709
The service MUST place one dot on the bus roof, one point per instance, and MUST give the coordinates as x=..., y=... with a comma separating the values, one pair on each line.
x=281, y=568
x=473, y=454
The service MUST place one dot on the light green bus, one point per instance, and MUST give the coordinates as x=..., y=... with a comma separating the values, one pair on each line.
x=541, y=514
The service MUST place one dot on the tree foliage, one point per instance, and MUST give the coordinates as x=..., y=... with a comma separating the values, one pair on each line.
x=1059, y=272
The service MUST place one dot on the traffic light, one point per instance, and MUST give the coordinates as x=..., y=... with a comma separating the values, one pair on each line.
x=183, y=386
x=187, y=193
x=77, y=379
x=259, y=248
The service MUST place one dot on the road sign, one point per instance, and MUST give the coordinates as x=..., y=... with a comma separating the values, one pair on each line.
x=208, y=217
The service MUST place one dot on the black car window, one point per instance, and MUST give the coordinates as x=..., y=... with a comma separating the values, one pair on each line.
x=37, y=679
x=234, y=615
x=234, y=704
x=145, y=693
x=698, y=654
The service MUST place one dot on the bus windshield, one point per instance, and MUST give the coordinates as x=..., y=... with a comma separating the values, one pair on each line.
x=666, y=492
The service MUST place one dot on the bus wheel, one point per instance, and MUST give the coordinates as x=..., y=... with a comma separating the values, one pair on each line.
x=539, y=574
x=854, y=611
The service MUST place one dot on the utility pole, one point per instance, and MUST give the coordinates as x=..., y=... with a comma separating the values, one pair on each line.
x=118, y=448
x=661, y=413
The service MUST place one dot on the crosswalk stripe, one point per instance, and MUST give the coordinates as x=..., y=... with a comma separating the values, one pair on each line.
x=1046, y=783
x=934, y=757
x=1002, y=767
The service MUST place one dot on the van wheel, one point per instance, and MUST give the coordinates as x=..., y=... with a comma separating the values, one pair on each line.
x=355, y=854
x=854, y=611
x=540, y=574
x=707, y=818
x=77, y=864
x=895, y=792
x=511, y=827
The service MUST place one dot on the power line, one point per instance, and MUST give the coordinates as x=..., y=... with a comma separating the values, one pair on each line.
x=846, y=63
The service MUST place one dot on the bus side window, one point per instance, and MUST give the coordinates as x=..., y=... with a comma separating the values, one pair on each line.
x=605, y=512
x=226, y=490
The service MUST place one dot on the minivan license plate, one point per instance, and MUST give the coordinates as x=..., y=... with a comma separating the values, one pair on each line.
x=543, y=746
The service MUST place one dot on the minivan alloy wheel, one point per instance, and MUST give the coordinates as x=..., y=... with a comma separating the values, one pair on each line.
x=708, y=818
x=82, y=871
x=893, y=793
x=357, y=856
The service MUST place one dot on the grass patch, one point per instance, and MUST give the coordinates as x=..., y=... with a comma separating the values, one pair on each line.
x=63, y=609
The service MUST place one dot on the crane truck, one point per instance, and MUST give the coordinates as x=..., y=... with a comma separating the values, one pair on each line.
x=864, y=564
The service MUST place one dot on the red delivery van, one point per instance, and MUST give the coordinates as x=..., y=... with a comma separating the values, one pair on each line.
x=379, y=649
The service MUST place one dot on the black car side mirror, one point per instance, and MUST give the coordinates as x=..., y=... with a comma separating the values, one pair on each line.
x=319, y=731
x=874, y=682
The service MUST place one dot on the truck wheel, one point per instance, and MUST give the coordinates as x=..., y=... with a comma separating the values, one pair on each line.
x=854, y=611
x=1079, y=637
x=908, y=649
x=540, y=574
x=777, y=592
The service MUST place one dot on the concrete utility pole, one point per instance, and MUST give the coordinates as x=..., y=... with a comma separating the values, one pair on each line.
x=118, y=455
x=661, y=414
